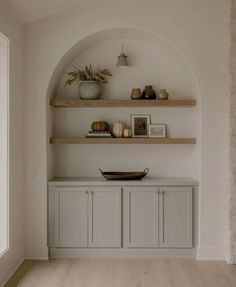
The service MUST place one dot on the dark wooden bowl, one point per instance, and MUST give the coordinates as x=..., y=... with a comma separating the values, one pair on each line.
x=118, y=175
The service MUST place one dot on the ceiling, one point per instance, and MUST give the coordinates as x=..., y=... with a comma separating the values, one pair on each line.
x=31, y=10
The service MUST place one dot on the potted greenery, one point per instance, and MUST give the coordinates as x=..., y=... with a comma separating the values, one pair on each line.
x=90, y=79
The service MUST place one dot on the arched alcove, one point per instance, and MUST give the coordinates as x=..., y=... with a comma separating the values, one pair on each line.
x=160, y=62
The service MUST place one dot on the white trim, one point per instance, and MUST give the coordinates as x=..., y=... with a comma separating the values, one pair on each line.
x=232, y=260
x=37, y=258
x=12, y=272
x=125, y=253
x=210, y=253
x=4, y=137
x=231, y=204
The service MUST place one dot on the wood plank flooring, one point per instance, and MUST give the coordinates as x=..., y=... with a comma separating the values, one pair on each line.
x=124, y=273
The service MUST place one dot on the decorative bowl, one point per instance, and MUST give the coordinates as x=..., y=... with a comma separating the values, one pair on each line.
x=125, y=175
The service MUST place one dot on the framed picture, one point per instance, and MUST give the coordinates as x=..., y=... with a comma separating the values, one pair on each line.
x=157, y=131
x=139, y=125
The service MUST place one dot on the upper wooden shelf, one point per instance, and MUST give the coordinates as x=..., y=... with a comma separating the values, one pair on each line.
x=122, y=140
x=76, y=103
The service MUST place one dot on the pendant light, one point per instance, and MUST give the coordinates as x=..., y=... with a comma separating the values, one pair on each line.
x=122, y=60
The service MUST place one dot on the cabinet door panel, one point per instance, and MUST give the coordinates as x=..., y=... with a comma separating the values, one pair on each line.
x=105, y=217
x=71, y=217
x=176, y=217
x=141, y=217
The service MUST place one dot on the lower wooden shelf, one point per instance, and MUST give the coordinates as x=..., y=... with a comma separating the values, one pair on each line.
x=83, y=140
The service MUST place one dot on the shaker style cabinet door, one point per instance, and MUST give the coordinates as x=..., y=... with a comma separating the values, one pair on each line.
x=175, y=217
x=141, y=217
x=68, y=224
x=105, y=217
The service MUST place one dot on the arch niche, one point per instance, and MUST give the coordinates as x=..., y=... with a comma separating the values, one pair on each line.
x=167, y=65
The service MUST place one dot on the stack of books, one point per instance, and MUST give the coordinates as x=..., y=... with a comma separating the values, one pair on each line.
x=102, y=134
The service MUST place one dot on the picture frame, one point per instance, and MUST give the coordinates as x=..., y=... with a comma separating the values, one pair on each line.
x=157, y=130
x=139, y=124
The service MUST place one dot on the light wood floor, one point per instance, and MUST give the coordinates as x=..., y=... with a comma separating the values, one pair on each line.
x=124, y=273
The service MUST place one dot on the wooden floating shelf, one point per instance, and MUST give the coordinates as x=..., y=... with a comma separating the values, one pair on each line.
x=77, y=103
x=122, y=140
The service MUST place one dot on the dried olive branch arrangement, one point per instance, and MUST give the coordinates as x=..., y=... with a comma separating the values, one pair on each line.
x=88, y=73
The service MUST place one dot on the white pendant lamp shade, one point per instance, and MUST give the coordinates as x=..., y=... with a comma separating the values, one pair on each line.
x=122, y=60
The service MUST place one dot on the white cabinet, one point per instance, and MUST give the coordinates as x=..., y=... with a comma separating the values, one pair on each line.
x=175, y=225
x=158, y=217
x=85, y=217
x=105, y=217
x=141, y=217
x=119, y=217
x=68, y=217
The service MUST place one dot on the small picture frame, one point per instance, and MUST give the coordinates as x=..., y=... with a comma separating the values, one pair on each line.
x=157, y=131
x=139, y=125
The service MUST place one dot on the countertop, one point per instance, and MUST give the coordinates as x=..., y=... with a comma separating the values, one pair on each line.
x=147, y=181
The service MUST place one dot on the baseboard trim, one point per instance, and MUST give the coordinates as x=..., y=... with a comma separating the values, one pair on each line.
x=231, y=260
x=210, y=253
x=13, y=271
x=95, y=253
x=38, y=258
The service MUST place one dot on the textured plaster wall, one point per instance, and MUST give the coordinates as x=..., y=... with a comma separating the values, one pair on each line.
x=13, y=30
x=231, y=256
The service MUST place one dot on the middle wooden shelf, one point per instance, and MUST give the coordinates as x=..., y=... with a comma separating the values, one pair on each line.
x=77, y=103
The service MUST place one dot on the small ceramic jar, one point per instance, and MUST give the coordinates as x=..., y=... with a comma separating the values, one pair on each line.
x=136, y=94
x=127, y=133
x=163, y=95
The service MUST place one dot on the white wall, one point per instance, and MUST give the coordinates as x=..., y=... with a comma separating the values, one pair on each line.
x=197, y=30
x=13, y=31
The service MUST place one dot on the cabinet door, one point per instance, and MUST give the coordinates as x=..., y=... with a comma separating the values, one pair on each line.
x=176, y=217
x=71, y=217
x=105, y=217
x=141, y=217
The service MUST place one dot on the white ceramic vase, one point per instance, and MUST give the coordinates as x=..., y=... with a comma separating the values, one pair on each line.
x=89, y=90
x=118, y=129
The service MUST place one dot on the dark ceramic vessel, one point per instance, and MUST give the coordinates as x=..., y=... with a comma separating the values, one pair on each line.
x=149, y=93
